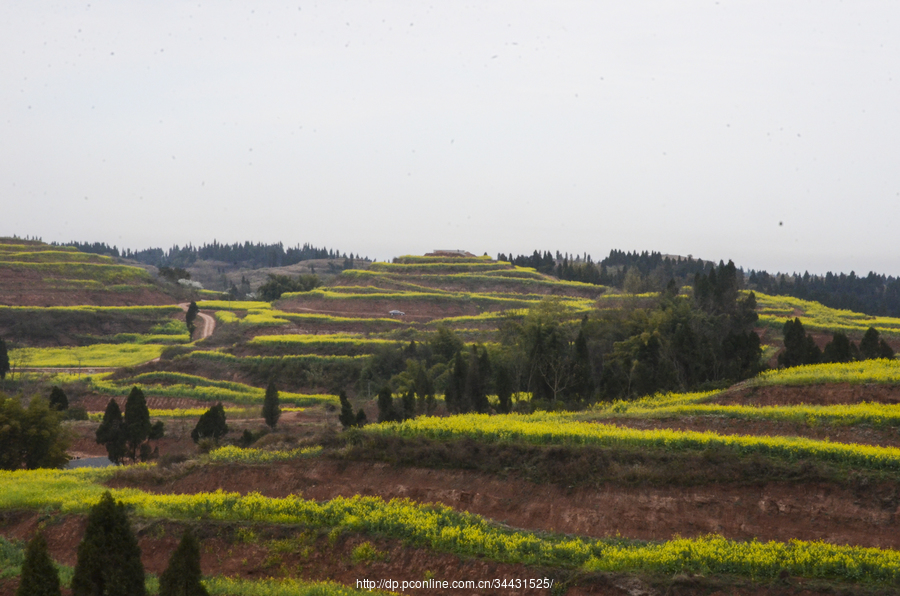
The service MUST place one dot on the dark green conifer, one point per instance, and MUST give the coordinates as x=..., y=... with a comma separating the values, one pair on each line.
x=409, y=405
x=136, y=421
x=270, y=411
x=182, y=576
x=503, y=384
x=109, y=559
x=39, y=575
x=346, y=416
x=386, y=405
x=361, y=417
x=4, y=360
x=869, y=347
x=838, y=349
x=111, y=432
x=190, y=316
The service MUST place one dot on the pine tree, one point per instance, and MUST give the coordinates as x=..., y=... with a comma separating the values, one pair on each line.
x=111, y=432
x=211, y=425
x=799, y=348
x=39, y=575
x=838, y=349
x=190, y=316
x=386, y=405
x=503, y=384
x=4, y=360
x=136, y=421
x=409, y=405
x=109, y=559
x=270, y=411
x=869, y=347
x=182, y=576
x=346, y=416
x=58, y=399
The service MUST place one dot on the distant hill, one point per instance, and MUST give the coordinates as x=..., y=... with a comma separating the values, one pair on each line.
x=33, y=273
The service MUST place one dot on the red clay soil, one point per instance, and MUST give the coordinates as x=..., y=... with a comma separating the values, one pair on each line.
x=882, y=437
x=824, y=394
x=776, y=511
x=29, y=288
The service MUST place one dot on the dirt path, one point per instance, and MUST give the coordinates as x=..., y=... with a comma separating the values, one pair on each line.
x=207, y=323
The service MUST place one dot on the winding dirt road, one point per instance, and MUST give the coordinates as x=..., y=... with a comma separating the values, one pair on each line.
x=207, y=323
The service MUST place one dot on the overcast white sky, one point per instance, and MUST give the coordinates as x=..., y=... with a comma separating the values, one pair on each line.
x=388, y=128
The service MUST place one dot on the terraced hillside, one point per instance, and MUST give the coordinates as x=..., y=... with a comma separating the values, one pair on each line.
x=786, y=483
x=37, y=274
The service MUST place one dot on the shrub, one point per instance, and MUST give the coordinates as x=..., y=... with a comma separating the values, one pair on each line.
x=211, y=425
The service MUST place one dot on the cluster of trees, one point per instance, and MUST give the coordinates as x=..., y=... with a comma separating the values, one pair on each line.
x=212, y=424
x=800, y=348
x=875, y=294
x=173, y=274
x=247, y=254
x=671, y=343
x=109, y=561
x=128, y=435
x=633, y=272
x=31, y=437
x=281, y=284
x=681, y=343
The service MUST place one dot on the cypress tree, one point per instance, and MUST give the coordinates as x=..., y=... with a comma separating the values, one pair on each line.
x=346, y=416
x=190, y=316
x=409, y=405
x=109, y=559
x=4, y=360
x=386, y=405
x=869, y=347
x=838, y=349
x=361, y=417
x=503, y=384
x=136, y=421
x=39, y=575
x=58, y=399
x=270, y=411
x=111, y=432
x=182, y=576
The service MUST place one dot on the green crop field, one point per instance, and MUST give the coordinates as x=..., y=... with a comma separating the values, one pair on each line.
x=98, y=355
x=775, y=310
x=868, y=371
